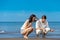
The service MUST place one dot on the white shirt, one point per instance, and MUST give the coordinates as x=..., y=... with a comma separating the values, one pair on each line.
x=39, y=24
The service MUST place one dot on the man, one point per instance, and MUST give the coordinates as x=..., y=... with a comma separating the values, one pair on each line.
x=42, y=26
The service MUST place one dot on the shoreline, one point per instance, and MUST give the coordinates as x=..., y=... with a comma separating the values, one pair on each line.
x=30, y=39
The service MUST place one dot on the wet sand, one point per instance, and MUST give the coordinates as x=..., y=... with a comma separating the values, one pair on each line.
x=30, y=39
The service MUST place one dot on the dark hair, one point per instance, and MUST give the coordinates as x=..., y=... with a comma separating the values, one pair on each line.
x=44, y=16
x=30, y=18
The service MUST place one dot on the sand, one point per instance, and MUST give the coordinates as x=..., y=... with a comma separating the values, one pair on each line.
x=30, y=39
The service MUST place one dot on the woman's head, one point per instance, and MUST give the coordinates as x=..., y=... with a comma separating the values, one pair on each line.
x=32, y=18
x=44, y=18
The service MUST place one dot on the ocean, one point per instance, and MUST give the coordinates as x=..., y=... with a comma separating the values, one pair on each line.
x=12, y=30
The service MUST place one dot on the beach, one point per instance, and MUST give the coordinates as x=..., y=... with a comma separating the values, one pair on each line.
x=30, y=39
x=30, y=19
x=12, y=31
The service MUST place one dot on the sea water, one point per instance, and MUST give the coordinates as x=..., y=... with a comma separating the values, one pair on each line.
x=12, y=30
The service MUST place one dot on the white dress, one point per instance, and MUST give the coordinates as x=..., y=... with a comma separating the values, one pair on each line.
x=23, y=26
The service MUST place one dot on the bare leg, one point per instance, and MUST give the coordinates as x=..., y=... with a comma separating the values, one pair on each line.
x=44, y=33
x=27, y=32
x=30, y=32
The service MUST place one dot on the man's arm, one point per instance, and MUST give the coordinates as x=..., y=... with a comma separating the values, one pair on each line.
x=38, y=26
x=49, y=27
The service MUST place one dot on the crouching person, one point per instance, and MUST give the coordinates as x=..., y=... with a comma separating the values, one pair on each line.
x=27, y=28
x=42, y=26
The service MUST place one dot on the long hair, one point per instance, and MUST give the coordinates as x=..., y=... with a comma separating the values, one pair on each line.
x=31, y=17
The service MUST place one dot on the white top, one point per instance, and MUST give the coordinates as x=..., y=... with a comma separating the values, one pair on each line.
x=24, y=25
x=39, y=24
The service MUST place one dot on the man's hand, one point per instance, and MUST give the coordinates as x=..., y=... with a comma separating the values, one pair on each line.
x=52, y=30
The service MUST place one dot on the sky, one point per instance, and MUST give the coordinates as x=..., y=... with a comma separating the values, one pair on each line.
x=20, y=10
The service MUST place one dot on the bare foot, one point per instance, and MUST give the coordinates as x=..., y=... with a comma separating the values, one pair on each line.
x=25, y=37
x=44, y=35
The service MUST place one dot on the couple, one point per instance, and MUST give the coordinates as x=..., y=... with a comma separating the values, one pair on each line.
x=41, y=26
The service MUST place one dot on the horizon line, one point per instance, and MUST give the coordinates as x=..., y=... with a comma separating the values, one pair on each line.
x=24, y=21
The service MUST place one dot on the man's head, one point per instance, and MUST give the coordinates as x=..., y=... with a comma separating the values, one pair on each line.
x=44, y=18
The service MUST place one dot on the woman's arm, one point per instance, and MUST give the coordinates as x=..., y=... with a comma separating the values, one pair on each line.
x=28, y=25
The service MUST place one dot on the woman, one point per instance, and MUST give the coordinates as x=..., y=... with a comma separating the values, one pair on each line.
x=27, y=28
